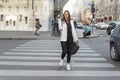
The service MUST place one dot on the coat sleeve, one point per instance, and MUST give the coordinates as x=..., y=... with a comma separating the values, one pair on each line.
x=60, y=24
x=75, y=37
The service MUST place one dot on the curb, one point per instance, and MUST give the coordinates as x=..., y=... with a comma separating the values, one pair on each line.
x=95, y=36
x=18, y=38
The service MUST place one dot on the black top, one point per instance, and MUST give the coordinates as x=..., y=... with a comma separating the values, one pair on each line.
x=69, y=30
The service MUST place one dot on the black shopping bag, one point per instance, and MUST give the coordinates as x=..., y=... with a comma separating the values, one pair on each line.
x=75, y=48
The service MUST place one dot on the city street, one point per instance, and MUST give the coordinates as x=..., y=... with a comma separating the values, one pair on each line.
x=30, y=47
x=38, y=60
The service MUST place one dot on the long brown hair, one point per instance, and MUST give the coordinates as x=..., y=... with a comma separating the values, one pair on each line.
x=69, y=17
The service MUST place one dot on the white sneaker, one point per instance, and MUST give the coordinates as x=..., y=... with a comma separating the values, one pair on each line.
x=68, y=67
x=61, y=62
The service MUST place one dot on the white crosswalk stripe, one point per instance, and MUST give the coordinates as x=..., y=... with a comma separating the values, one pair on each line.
x=59, y=73
x=46, y=50
x=55, y=64
x=46, y=53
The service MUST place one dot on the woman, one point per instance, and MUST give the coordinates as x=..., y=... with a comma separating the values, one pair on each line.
x=68, y=36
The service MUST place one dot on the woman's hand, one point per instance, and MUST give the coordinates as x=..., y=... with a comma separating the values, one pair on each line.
x=77, y=41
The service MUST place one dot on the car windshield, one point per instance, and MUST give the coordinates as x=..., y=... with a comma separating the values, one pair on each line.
x=117, y=23
x=112, y=24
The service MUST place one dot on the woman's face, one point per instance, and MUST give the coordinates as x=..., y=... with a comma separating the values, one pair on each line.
x=66, y=15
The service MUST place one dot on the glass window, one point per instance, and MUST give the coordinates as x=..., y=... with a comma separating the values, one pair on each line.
x=20, y=19
x=7, y=23
x=36, y=9
x=1, y=17
x=14, y=23
x=17, y=9
x=9, y=8
x=26, y=18
x=25, y=8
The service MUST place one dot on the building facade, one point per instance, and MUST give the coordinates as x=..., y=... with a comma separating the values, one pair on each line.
x=107, y=10
x=19, y=15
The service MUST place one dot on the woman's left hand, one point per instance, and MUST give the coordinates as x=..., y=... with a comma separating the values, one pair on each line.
x=77, y=41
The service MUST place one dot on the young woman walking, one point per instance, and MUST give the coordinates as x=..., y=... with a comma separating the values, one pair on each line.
x=68, y=36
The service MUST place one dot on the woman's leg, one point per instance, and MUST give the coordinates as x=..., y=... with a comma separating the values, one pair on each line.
x=64, y=49
x=69, y=48
x=68, y=57
x=38, y=31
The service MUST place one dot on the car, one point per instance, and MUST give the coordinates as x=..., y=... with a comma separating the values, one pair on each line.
x=95, y=25
x=114, y=43
x=111, y=26
x=79, y=25
x=102, y=25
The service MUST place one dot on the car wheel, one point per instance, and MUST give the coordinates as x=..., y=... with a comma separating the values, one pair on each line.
x=114, y=55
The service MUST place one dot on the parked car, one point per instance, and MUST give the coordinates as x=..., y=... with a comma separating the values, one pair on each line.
x=79, y=25
x=95, y=25
x=114, y=43
x=111, y=26
x=102, y=25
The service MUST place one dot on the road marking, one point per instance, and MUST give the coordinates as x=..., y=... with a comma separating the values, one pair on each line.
x=49, y=50
x=50, y=54
x=55, y=64
x=44, y=47
x=59, y=73
x=50, y=58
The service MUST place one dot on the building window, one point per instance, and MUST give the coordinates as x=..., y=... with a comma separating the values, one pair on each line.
x=17, y=9
x=26, y=18
x=45, y=9
x=7, y=23
x=1, y=17
x=25, y=8
x=110, y=10
x=36, y=8
x=14, y=23
x=107, y=1
x=20, y=19
x=10, y=21
x=7, y=1
x=9, y=8
x=117, y=0
x=1, y=9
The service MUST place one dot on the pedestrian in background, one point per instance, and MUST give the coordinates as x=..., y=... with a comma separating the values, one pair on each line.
x=37, y=26
x=68, y=36
x=87, y=30
x=75, y=23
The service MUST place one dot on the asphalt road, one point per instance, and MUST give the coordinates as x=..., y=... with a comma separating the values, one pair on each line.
x=38, y=60
x=101, y=45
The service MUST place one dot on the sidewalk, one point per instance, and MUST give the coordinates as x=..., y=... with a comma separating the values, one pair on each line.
x=29, y=35
x=17, y=35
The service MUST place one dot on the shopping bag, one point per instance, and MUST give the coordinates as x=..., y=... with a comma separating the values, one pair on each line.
x=75, y=48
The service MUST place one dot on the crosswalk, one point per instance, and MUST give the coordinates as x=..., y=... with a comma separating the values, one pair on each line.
x=41, y=58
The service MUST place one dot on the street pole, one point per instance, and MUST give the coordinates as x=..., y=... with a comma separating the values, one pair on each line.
x=33, y=12
x=116, y=8
x=93, y=15
x=83, y=11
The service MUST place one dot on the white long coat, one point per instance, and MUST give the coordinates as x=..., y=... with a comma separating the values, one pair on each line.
x=63, y=29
